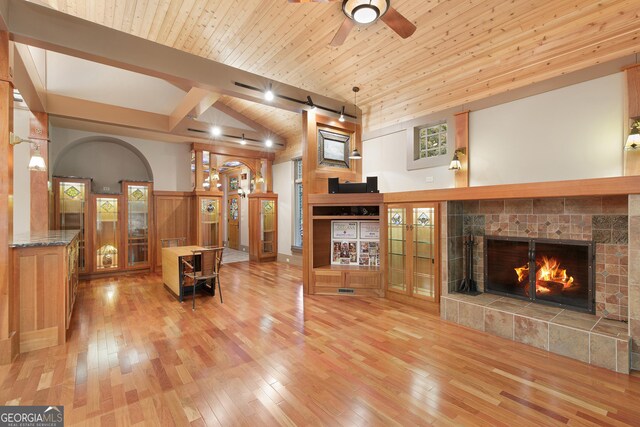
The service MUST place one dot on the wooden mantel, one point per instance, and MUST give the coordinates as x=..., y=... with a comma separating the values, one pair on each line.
x=575, y=188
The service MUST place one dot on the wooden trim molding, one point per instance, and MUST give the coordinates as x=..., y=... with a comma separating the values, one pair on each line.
x=462, y=143
x=39, y=194
x=576, y=188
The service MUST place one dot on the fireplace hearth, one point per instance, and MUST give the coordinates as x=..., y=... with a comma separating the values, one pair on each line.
x=553, y=272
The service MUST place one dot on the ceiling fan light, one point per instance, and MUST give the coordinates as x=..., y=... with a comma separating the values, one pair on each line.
x=365, y=13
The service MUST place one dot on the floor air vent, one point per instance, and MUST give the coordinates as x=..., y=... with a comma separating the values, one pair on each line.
x=346, y=291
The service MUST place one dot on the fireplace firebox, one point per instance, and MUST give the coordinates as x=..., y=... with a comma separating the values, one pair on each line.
x=554, y=272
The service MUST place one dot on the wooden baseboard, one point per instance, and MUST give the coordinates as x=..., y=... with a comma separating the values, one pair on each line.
x=42, y=338
x=115, y=273
x=290, y=259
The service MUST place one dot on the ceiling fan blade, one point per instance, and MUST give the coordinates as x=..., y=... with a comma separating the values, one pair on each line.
x=398, y=23
x=343, y=32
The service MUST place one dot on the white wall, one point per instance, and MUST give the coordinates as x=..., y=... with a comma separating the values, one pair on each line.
x=21, y=174
x=386, y=158
x=170, y=163
x=575, y=132
x=283, y=187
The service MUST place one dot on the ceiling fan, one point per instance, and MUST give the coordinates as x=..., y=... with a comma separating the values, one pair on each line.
x=364, y=12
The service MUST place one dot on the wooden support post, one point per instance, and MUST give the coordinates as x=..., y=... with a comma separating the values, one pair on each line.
x=632, y=157
x=268, y=175
x=199, y=171
x=9, y=335
x=462, y=144
x=39, y=133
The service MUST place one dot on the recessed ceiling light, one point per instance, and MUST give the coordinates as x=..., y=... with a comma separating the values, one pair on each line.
x=216, y=131
x=268, y=143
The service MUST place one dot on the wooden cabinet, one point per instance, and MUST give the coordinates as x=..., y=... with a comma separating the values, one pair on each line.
x=71, y=198
x=137, y=212
x=45, y=271
x=329, y=278
x=115, y=229
x=263, y=227
x=413, y=273
x=209, y=223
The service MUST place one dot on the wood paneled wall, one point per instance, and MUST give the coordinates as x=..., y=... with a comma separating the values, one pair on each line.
x=174, y=217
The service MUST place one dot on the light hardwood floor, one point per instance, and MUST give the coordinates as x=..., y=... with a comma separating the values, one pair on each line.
x=268, y=356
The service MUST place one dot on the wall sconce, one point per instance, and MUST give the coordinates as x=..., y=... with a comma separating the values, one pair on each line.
x=214, y=174
x=242, y=193
x=36, y=163
x=633, y=140
x=259, y=178
x=455, y=164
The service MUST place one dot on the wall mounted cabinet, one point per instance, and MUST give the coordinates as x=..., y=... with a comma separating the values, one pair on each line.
x=137, y=211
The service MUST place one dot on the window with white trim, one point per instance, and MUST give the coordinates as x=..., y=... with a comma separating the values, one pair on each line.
x=431, y=141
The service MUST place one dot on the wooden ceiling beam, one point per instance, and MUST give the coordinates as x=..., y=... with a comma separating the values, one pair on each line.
x=196, y=98
x=27, y=79
x=59, y=32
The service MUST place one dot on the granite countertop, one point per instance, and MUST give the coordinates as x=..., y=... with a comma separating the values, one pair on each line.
x=48, y=238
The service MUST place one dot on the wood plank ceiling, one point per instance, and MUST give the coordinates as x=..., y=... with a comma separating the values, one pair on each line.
x=463, y=50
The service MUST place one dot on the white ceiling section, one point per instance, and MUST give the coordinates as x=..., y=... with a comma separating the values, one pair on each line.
x=216, y=117
x=78, y=78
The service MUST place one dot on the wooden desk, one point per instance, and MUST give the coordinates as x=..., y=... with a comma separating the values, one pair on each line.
x=172, y=266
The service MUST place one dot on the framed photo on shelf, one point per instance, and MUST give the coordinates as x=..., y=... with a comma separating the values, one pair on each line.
x=344, y=230
x=370, y=230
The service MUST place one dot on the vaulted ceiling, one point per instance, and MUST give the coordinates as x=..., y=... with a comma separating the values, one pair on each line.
x=463, y=50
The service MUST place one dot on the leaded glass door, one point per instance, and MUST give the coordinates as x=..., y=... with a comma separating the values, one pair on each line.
x=138, y=208
x=107, y=233
x=424, y=253
x=268, y=226
x=397, y=249
x=71, y=213
x=209, y=224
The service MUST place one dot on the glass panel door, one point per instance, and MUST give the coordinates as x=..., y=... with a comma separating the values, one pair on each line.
x=268, y=221
x=424, y=252
x=107, y=233
x=72, y=208
x=209, y=222
x=138, y=225
x=397, y=249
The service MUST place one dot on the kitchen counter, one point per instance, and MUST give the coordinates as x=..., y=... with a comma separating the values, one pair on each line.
x=49, y=238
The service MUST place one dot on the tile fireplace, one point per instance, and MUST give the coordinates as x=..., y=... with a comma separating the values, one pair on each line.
x=553, y=272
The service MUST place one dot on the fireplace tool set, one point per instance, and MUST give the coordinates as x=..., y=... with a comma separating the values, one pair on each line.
x=468, y=285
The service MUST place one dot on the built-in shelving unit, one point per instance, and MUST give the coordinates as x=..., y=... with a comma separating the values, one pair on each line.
x=334, y=279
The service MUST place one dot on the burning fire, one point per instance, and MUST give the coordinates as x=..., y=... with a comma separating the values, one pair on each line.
x=549, y=276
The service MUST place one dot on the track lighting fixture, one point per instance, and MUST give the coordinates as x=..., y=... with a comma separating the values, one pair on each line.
x=341, y=119
x=268, y=143
x=243, y=141
x=268, y=94
x=312, y=106
x=216, y=131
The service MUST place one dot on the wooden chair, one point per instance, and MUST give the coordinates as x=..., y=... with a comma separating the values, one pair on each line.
x=205, y=269
x=173, y=242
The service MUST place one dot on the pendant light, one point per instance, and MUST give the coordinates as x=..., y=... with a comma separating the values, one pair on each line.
x=355, y=154
x=633, y=141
